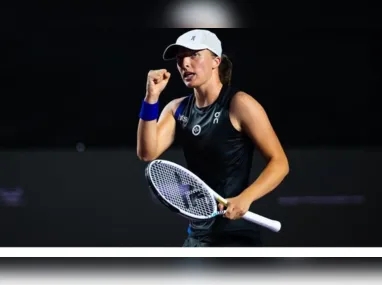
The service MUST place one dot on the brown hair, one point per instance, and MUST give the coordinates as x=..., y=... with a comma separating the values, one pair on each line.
x=225, y=70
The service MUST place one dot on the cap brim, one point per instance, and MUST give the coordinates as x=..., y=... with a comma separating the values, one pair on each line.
x=171, y=51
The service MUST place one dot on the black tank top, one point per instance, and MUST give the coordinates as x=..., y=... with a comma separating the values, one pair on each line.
x=216, y=152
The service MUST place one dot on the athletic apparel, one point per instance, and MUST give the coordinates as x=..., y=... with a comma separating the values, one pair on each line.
x=197, y=39
x=216, y=152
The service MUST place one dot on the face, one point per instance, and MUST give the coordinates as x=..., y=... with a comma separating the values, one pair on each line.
x=196, y=67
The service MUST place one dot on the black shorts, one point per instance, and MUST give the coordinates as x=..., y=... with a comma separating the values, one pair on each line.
x=227, y=240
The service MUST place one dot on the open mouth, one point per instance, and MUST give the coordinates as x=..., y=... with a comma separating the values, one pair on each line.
x=188, y=75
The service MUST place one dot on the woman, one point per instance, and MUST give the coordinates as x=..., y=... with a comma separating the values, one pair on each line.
x=218, y=127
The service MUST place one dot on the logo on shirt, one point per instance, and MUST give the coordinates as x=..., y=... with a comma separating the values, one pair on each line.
x=183, y=119
x=216, y=118
x=196, y=130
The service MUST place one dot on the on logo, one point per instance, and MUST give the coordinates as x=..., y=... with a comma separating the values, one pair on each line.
x=193, y=38
x=216, y=118
x=196, y=130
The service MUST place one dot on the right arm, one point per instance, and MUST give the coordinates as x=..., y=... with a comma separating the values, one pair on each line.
x=154, y=137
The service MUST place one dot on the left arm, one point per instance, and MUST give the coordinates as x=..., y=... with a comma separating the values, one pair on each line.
x=250, y=117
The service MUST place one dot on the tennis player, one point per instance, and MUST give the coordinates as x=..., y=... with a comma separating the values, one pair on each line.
x=218, y=126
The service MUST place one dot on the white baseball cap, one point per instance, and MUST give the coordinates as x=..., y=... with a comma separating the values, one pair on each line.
x=194, y=40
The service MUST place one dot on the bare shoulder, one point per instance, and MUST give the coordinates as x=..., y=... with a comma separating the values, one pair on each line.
x=244, y=110
x=243, y=101
x=174, y=104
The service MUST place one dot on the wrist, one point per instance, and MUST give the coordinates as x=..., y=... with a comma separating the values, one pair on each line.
x=151, y=99
x=149, y=111
x=248, y=195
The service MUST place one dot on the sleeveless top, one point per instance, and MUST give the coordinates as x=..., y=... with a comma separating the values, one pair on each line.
x=216, y=152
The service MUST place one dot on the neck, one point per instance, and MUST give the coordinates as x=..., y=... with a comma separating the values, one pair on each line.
x=207, y=93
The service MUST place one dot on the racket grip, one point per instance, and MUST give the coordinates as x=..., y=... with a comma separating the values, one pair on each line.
x=272, y=225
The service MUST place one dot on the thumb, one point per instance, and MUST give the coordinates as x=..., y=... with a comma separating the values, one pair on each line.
x=221, y=207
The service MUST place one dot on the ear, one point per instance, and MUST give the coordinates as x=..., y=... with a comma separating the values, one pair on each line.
x=216, y=62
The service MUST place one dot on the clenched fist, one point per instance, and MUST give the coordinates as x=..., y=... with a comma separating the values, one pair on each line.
x=156, y=82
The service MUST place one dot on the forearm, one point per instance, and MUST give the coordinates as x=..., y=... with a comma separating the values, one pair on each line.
x=272, y=175
x=147, y=135
x=147, y=139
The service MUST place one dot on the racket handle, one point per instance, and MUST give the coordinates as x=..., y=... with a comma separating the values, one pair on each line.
x=272, y=225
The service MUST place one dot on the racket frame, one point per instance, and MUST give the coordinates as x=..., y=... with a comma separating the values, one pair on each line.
x=172, y=207
x=272, y=225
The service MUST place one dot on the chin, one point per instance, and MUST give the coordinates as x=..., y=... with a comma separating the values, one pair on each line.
x=191, y=84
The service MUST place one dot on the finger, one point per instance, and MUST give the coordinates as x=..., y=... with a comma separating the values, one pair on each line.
x=220, y=207
x=161, y=72
x=167, y=75
x=228, y=208
x=241, y=213
x=229, y=213
x=158, y=78
x=158, y=71
x=236, y=214
x=154, y=74
x=232, y=214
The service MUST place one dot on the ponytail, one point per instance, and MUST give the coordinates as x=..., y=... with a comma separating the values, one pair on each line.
x=225, y=70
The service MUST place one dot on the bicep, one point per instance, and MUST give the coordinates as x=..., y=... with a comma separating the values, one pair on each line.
x=255, y=123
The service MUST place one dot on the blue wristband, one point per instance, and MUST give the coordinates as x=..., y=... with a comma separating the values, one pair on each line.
x=149, y=111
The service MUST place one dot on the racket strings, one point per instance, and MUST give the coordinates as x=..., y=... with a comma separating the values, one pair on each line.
x=182, y=190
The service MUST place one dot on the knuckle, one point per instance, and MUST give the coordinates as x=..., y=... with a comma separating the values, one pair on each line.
x=153, y=72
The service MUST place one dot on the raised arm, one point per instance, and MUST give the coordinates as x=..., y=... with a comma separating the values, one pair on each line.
x=155, y=136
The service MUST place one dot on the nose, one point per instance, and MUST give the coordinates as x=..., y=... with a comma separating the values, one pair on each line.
x=184, y=62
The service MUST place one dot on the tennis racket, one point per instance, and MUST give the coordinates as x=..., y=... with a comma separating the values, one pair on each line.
x=186, y=194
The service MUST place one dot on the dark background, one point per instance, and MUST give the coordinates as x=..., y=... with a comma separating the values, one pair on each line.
x=73, y=79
